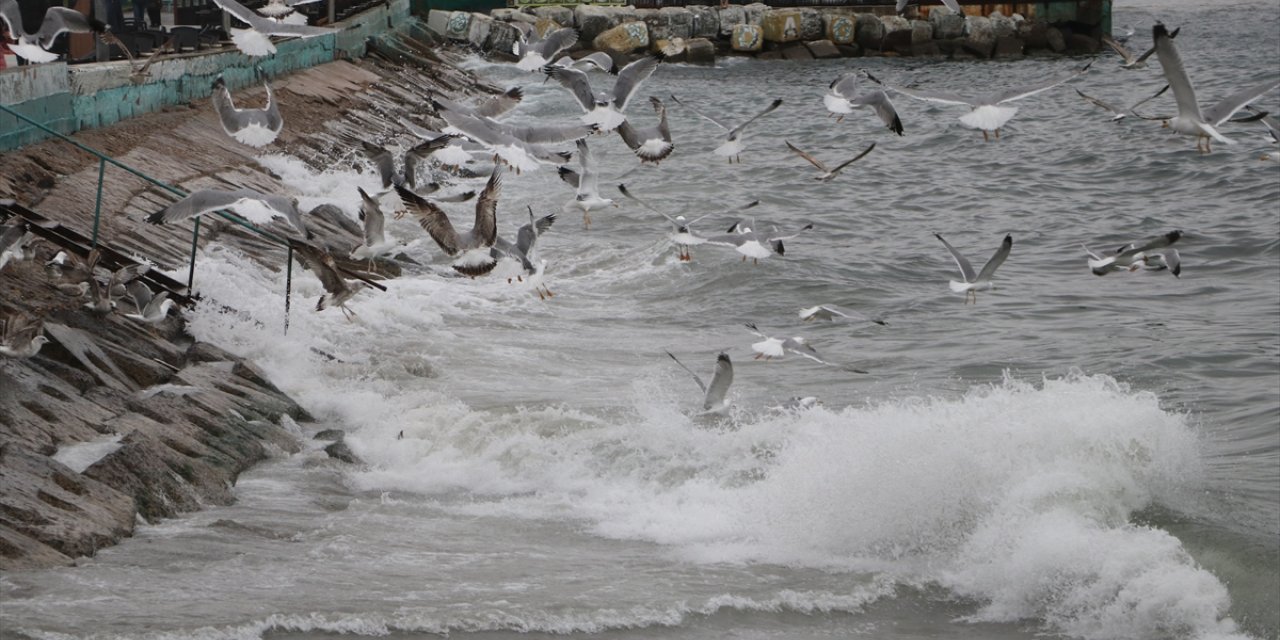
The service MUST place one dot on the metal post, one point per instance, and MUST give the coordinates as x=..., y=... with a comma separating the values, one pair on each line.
x=191, y=272
x=288, y=288
x=97, y=205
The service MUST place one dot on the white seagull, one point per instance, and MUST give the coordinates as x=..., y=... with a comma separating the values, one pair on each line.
x=976, y=281
x=254, y=127
x=209, y=200
x=650, y=144
x=587, y=185
x=376, y=242
x=605, y=108
x=599, y=60
x=770, y=348
x=1191, y=120
x=21, y=337
x=256, y=40
x=536, y=54
x=470, y=250
x=842, y=98
x=715, y=396
x=682, y=234
x=752, y=244
x=827, y=313
x=152, y=308
x=828, y=172
x=522, y=250
x=988, y=113
x=732, y=147
x=1132, y=256
x=57, y=20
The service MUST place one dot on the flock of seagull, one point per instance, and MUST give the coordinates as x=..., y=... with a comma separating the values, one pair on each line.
x=479, y=130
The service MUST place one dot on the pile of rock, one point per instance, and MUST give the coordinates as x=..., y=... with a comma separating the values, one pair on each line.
x=697, y=34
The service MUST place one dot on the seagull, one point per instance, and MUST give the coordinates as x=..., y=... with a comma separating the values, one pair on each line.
x=57, y=20
x=600, y=60
x=337, y=289
x=21, y=336
x=587, y=184
x=208, y=200
x=752, y=244
x=681, y=233
x=732, y=146
x=987, y=113
x=1131, y=256
x=11, y=239
x=650, y=144
x=605, y=108
x=973, y=282
x=827, y=313
x=1128, y=33
x=254, y=127
x=714, y=400
x=1190, y=119
x=1273, y=127
x=536, y=54
x=449, y=149
x=520, y=155
x=951, y=4
x=827, y=172
x=842, y=96
x=526, y=236
x=771, y=348
x=375, y=237
x=470, y=250
x=1131, y=61
x=152, y=309
x=283, y=9
x=102, y=299
x=1116, y=113
x=255, y=40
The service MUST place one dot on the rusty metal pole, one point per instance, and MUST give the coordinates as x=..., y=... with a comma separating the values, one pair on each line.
x=97, y=205
x=288, y=288
x=191, y=272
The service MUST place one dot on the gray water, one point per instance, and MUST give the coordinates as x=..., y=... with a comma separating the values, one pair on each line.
x=1079, y=456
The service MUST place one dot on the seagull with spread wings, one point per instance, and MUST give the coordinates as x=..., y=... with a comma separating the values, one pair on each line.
x=535, y=54
x=338, y=291
x=1132, y=256
x=732, y=147
x=605, y=108
x=843, y=96
x=209, y=200
x=650, y=144
x=827, y=172
x=715, y=398
x=753, y=244
x=21, y=336
x=254, y=127
x=682, y=234
x=256, y=39
x=522, y=249
x=470, y=250
x=975, y=281
x=34, y=47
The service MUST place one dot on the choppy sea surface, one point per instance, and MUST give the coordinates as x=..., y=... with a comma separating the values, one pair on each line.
x=1072, y=456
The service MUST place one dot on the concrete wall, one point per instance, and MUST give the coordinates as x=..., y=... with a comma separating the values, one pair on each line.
x=68, y=98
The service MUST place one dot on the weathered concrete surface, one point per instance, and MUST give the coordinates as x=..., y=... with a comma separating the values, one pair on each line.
x=624, y=38
x=747, y=38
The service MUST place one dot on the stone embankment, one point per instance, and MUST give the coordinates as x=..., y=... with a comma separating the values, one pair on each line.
x=697, y=34
x=113, y=421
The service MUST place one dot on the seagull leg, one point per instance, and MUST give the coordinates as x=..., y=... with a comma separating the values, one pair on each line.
x=744, y=259
x=997, y=134
x=984, y=136
x=758, y=356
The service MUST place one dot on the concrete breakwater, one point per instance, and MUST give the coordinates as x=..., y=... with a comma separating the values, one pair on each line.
x=697, y=34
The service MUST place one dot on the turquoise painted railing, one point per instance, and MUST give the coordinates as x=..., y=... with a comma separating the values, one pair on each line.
x=104, y=159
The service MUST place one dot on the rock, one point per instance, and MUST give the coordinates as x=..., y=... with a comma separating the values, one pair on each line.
x=1057, y=43
x=1078, y=43
x=560, y=15
x=706, y=22
x=946, y=25
x=897, y=42
x=502, y=38
x=823, y=49
x=667, y=23
x=459, y=25
x=979, y=28
x=700, y=51
x=849, y=50
x=505, y=15
x=1001, y=26
x=776, y=54
x=870, y=31
x=781, y=25
x=796, y=52
x=895, y=23
x=334, y=435
x=543, y=26
x=754, y=13
x=730, y=17
x=438, y=21
x=747, y=38
x=594, y=20
x=950, y=46
x=1008, y=47
x=478, y=32
x=624, y=38
x=840, y=28
x=340, y=451
x=1035, y=35
x=926, y=50
x=921, y=32
x=812, y=26
x=205, y=352
x=978, y=48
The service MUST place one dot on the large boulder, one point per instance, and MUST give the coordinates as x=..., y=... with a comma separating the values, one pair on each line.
x=1057, y=43
x=1078, y=43
x=979, y=32
x=1001, y=26
x=747, y=38
x=811, y=25
x=478, y=31
x=1008, y=47
x=502, y=38
x=840, y=28
x=1034, y=34
x=822, y=49
x=870, y=31
x=706, y=22
x=796, y=52
x=459, y=25
x=946, y=25
x=594, y=20
x=781, y=25
x=921, y=32
x=754, y=13
x=438, y=21
x=624, y=38
x=895, y=23
x=561, y=15
x=700, y=51
x=667, y=23
x=543, y=26
x=730, y=17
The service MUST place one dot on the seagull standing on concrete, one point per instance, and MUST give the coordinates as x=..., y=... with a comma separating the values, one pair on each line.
x=21, y=337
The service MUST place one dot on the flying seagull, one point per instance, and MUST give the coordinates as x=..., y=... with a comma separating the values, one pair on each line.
x=11, y=239
x=470, y=250
x=526, y=237
x=732, y=147
x=1116, y=113
x=208, y=200
x=537, y=53
x=681, y=232
x=338, y=291
x=256, y=40
x=842, y=97
x=714, y=400
x=605, y=108
x=519, y=154
x=650, y=144
x=990, y=112
x=375, y=236
x=21, y=336
x=752, y=244
x=34, y=47
x=587, y=184
x=254, y=127
x=102, y=298
x=1131, y=61
x=827, y=172
x=828, y=313
x=1191, y=120
x=770, y=348
x=599, y=59
x=151, y=308
x=975, y=281
x=1131, y=256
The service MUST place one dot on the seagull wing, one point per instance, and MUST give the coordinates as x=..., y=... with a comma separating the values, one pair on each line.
x=884, y=108
x=737, y=131
x=1171, y=64
x=59, y=20
x=1227, y=107
x=432, y=219
x=720, y=382
x=549, y=134
x=141, y=295
x=997, y=259
x=846, y=86
x=1158, y=242
x=556, y=41
x=966, y=269
x=500, y=104
x=11, y=14
x=486, y=227
x=812, y=160
x=201, y=202
x=321, y=263
x=630, y=77
x=528, y=234
x=854, y=159
x=694, y=109
x=701, y=385
x=383, y=160
x=576, y=82
x=939, y=97
x=622, y=188
x=1031, y=90
x=1120, y=49
x=954, y=7
x=588, y=181
x=773, y=237
x=1101, y=103
x=152, y=308
x=373, y=218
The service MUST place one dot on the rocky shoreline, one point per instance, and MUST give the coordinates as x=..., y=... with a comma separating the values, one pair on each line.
x=113, y=422
x=698, y=34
